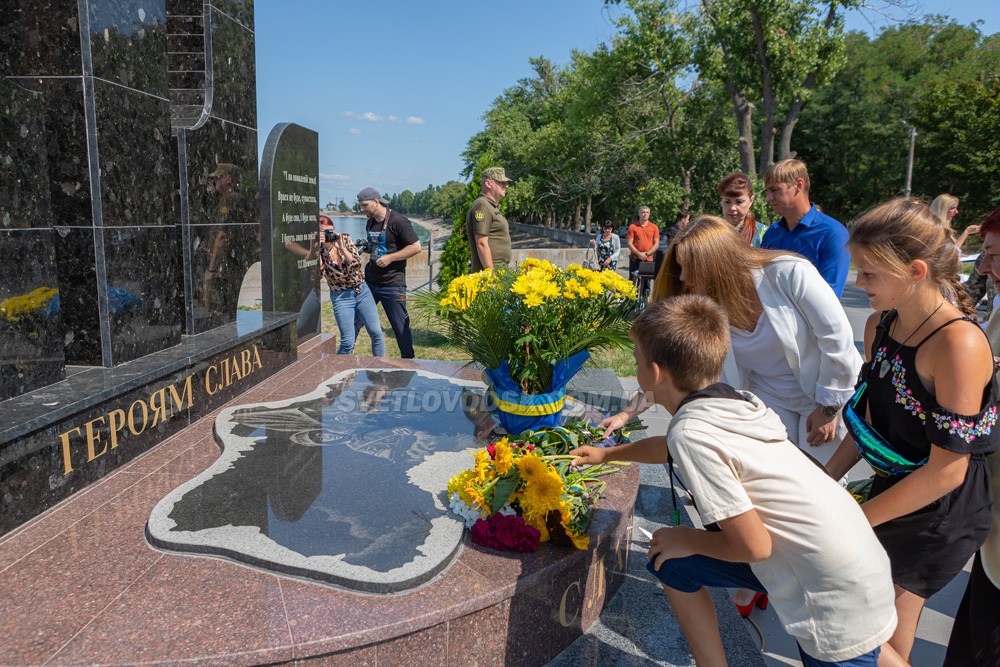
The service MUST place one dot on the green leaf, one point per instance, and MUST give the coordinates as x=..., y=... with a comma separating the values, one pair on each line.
x=504, y=488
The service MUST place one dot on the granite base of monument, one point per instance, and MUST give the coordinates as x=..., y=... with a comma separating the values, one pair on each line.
x=57, y=440
x=92, y=590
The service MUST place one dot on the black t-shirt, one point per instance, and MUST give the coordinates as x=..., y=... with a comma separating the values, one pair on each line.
x=389, y=236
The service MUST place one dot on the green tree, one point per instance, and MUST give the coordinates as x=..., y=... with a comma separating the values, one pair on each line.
x=343, y=207
x=853, y=134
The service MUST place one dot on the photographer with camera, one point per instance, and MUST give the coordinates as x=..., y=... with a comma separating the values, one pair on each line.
x=391, y=241
x=348, y=291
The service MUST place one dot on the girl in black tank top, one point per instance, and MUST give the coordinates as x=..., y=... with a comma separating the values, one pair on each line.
x=927, y=403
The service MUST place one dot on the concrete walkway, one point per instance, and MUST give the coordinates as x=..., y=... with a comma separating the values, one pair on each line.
x=638, y=627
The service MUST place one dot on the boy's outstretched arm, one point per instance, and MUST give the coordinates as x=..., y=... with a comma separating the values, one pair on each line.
x=647, y=450
x=743, y=539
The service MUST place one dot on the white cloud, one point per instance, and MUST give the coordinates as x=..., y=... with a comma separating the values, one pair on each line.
x=333, y=178
x=372, y=117
x=355, y=131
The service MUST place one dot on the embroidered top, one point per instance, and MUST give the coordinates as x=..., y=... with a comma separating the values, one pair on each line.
x=908, y=415
x=930, y=546
x=346, y=275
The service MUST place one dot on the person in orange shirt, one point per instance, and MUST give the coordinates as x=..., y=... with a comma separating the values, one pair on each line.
x=643, y=238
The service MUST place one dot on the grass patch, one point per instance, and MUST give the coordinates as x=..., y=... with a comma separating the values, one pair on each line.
x=429, y=344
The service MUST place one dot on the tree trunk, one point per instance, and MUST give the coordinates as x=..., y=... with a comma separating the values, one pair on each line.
x=574, y=224
x=744, y=124
x=792, y=117
x=742, y=106
x=686, y=184
x=589, y=214
x=769, y=102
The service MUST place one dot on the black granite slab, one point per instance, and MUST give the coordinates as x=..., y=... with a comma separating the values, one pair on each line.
x=219, y=142
x=240, y=10
x=221, y=256
x=78, y=294
x=145, y=290
x=59, y=439
x=233, y=70
x=344, y=485
x=290, y=263
x=24, y=183
x=128, y=43
x=87, y=387
x=138, y=158
x=66, y=148
x=31, y=331
x=40, y=38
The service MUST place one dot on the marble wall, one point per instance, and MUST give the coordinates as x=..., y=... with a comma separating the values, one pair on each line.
x=126, y=222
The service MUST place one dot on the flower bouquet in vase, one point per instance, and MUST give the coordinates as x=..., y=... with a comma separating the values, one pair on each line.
x=532, y=327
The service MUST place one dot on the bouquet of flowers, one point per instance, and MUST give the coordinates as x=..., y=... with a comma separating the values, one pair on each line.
x=532, y=316
x=523, y=492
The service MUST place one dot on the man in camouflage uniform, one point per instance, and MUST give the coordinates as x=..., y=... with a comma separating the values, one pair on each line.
x=485, y=226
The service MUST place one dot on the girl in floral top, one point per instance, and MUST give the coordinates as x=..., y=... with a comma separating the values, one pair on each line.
x=924, y=413
x=348, y=290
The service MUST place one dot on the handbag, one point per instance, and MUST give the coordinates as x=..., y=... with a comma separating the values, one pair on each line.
x=871, y=444
x=590, y=260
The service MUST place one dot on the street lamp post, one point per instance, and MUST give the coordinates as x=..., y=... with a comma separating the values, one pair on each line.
x=909, y=162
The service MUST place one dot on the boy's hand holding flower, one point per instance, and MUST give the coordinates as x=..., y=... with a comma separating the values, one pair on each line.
x=587, y=455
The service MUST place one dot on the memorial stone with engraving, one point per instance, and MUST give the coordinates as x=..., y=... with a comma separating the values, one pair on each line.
x=290, y=270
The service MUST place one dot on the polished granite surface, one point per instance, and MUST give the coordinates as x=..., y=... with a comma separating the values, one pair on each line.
x=91, y=386
x=90, y=590
x=289, y=199
x=60, y=439
x=340, y=485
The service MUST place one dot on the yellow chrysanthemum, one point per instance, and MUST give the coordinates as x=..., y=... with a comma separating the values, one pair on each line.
x=475, y=495
x=503, y=457
x=533, y=300
x=542, y=264
x=458, y=482
x=482, y=467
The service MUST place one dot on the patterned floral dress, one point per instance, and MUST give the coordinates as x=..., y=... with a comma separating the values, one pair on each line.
x=605, y=249
x=927, y=548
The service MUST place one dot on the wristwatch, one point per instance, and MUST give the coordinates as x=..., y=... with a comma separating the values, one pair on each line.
x=829, y=410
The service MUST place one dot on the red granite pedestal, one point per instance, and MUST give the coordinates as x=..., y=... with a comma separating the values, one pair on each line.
x=82, y=586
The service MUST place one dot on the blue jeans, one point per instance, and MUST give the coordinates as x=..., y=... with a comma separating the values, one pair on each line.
x=691, y=573
x=393, y=300
x=346, y=305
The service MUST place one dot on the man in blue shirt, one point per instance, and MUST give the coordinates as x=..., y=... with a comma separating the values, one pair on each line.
x=802, y=227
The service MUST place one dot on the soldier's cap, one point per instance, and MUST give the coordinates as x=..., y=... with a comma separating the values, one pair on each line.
x=225, y=169
x=371, y=194
x=496, y=174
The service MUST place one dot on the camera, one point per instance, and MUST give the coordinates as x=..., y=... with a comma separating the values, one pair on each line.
x=330, y=236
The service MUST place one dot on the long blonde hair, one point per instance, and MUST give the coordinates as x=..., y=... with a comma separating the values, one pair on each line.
x=940, y=207
x=903, y=230
x=717, y=263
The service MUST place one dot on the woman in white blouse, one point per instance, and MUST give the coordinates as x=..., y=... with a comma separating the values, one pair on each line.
x=792, y=343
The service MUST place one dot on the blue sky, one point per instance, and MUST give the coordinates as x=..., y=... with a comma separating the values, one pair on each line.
x=395, y=89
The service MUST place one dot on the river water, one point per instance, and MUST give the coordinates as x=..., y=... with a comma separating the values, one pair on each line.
x=355, y=226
